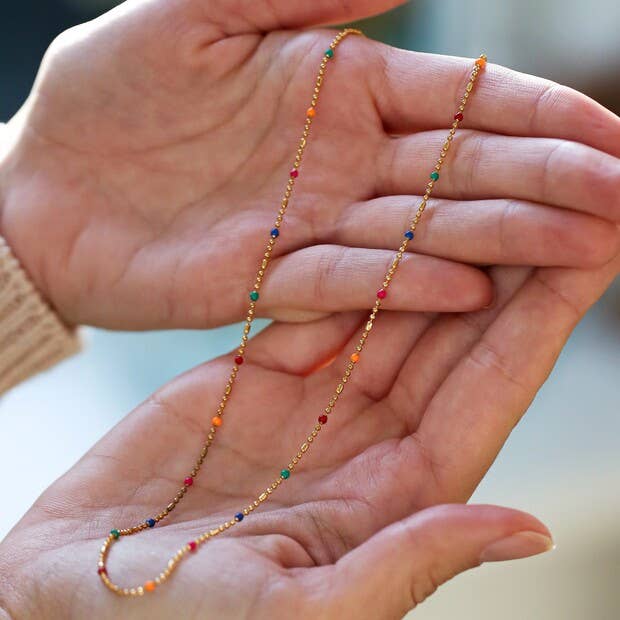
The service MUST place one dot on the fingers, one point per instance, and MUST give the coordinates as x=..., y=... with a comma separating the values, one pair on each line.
x=498, y=376
x=308, y=346
x=495, y=232
x=482, y=166
x=376, y=370
x=504, y=102
x=443, y=345
x=399, y=567
x=328, y=278
x=264, y=15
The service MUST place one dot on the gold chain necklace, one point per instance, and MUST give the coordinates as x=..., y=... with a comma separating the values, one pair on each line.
x=216, y=421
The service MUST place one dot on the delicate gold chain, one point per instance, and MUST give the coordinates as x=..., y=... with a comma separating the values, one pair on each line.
x=216, y=421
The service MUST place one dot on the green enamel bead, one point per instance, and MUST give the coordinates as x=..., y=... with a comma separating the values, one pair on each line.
x=285, y=473
x=254, y=295
x=434, y=175
x=115, y=533
x=329, y=52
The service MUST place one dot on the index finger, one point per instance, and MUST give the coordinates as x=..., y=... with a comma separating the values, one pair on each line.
x=414, y=90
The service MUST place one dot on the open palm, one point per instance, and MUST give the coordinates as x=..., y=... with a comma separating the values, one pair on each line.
x=424, y=415
x=145, y=171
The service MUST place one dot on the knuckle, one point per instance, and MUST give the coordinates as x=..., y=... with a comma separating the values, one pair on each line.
x=547, y=176
x=543, y=105
x=327, y=270
x=486, y=356
x=559, y=296
x=423, y=586
x=552, y=99
x=505, y=225
x=469, y=155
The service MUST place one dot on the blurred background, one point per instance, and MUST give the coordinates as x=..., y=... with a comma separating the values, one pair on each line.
x=562, y=463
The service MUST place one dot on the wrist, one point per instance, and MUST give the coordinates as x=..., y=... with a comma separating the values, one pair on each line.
x=32, y=336
x=8, y=139
x=16, y=229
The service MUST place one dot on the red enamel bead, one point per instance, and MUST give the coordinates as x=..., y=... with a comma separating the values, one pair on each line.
x=188, y=481
x=323, y=419
x=381, y=293
x=238, y=360
x=192, y=545
x=458, y=117
x=294, y=173
x=102, y=570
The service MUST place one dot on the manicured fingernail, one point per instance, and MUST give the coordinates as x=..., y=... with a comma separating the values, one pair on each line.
x=521, y=545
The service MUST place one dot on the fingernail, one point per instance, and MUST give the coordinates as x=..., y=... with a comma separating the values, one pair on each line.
x=521, y=545
x=492, y=302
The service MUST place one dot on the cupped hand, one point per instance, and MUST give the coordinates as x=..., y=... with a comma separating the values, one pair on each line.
x=139, y=182
x=367, y=525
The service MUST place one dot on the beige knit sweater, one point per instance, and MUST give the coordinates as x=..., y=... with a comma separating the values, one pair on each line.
x=32, y=335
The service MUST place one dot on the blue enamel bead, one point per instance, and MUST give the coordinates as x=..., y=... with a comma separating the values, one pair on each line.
x=239, y=516
x=409, y=235
x=275, y=232
x=151, y=522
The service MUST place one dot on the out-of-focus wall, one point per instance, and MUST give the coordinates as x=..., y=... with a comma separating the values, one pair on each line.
x=562, y=463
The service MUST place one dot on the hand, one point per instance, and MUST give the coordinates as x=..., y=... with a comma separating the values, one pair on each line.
x=140, y=180
x=356, y=531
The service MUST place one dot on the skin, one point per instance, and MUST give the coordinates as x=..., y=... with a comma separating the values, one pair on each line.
x=159, y=138
x=413, y=431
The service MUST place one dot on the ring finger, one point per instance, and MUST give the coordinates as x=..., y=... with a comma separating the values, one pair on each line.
x=502, y=231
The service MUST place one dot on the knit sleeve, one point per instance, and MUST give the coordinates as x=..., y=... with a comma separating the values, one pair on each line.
x=32, y=335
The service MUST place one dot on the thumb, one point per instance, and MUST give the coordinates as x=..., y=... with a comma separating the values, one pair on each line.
x=403, y=564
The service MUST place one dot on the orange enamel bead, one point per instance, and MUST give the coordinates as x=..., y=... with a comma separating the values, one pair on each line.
x=216, y=420
x=149, y=586
x=355, y=358
x=481, y=62
x=311, y=113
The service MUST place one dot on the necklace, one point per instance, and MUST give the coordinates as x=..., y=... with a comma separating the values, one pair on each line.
x=354, y=358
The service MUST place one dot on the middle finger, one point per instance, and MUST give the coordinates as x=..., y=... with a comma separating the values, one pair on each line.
x=500, y=232
x=482, y=166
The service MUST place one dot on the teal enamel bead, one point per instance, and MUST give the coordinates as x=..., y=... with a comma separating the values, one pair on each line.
x=329, y=52
x=254, y=295
x=285, y=473
x=434, y=176
x=115, y=534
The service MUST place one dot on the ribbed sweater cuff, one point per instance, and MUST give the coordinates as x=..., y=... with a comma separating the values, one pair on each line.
x=32, y=335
